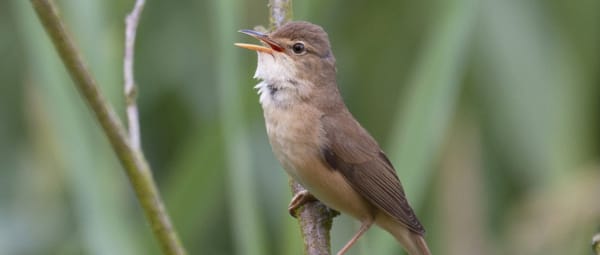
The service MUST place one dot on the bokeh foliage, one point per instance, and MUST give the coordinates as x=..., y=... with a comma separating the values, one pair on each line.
x=488, y=109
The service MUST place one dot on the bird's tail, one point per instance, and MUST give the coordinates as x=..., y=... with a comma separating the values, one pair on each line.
x=412, y=242
x=422, y=247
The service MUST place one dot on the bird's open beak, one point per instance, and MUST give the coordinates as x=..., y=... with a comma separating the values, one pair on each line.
x=273, y=46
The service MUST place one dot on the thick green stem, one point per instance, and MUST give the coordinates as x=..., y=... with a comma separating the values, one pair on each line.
x=133, y=160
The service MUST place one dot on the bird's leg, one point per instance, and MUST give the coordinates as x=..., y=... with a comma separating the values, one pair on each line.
x=298, y=200
x=363, y=228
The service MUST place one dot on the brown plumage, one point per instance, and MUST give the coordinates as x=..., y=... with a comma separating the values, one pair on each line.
x=318, y=141
x=353, y=152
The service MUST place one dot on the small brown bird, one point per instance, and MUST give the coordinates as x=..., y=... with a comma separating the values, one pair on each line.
x=318, y=141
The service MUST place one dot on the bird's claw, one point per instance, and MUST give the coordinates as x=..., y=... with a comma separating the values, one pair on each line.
x=299, y=200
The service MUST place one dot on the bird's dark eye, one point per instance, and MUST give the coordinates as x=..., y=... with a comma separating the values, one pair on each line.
x=298, y=48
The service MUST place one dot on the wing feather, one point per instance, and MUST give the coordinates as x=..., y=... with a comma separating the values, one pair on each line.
x=355, y=154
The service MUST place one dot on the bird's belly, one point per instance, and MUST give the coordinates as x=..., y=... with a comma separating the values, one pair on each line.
x=331, y=188
x=296, y=144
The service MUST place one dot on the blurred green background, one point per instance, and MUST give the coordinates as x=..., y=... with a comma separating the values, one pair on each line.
x=488, y=109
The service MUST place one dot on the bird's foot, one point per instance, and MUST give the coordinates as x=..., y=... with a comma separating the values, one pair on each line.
x=298, y=200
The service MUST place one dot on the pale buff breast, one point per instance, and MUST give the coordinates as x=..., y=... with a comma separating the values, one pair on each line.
x=294, y=134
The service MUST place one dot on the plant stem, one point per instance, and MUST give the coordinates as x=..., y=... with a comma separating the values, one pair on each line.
x=131, y=24
x=133, y=160
x=280, y=12
x=315, y=221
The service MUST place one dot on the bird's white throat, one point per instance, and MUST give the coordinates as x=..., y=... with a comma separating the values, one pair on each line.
x=276, y=72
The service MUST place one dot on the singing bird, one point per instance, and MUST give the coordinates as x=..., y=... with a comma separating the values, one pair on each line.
x=318, y=141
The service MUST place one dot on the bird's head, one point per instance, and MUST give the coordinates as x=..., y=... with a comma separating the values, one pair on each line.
x=296, y=57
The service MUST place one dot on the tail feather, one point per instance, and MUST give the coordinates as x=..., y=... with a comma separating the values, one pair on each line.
x=412, y=242
x=422, y=247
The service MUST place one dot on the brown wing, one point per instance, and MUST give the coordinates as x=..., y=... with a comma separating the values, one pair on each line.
x=354, y=153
